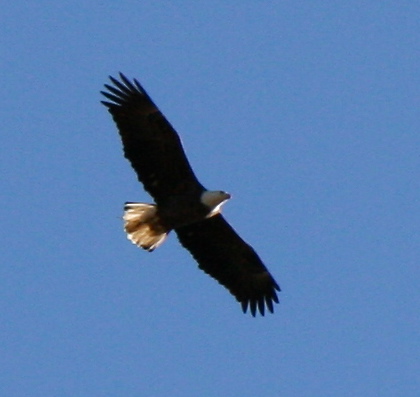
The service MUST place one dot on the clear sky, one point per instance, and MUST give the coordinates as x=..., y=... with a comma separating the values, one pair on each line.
x=307, y=112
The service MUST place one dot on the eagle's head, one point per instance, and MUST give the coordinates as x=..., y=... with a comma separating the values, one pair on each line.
x=214, y=199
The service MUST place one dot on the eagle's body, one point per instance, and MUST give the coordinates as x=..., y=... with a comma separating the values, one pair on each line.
x=182, y=204
x=147, y=225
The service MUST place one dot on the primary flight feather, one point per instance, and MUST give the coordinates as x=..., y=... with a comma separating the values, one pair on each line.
x=182, y=203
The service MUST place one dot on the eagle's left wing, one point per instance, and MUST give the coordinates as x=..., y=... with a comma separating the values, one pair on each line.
x=222, y=254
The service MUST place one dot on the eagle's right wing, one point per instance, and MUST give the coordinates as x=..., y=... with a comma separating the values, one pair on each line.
x=150, y=143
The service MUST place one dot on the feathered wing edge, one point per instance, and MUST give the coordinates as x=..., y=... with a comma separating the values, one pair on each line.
x=222, y=254
x=122, y=93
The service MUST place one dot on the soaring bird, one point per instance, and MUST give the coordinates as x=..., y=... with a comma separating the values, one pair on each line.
x=182, y=203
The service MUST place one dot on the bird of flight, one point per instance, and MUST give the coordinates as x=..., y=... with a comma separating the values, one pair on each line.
x=182, y=203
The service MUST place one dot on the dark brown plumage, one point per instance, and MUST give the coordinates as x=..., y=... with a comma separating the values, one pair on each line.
x=155, y=152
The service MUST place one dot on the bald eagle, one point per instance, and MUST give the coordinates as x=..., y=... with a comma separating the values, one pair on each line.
x=182, y=204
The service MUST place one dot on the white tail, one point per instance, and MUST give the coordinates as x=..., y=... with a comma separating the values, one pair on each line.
x=142, y=225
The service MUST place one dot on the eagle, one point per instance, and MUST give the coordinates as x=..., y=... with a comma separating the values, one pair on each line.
x=182, y=203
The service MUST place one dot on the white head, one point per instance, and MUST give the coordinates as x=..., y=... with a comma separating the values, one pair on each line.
x=214, y=200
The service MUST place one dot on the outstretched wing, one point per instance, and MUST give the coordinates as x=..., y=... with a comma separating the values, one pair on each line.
x=222, y=254
x=150, y=143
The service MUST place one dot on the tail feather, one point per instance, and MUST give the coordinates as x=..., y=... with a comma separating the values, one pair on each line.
x=143, y=226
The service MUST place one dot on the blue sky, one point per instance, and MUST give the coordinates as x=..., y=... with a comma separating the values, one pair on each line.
x=308, y=113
